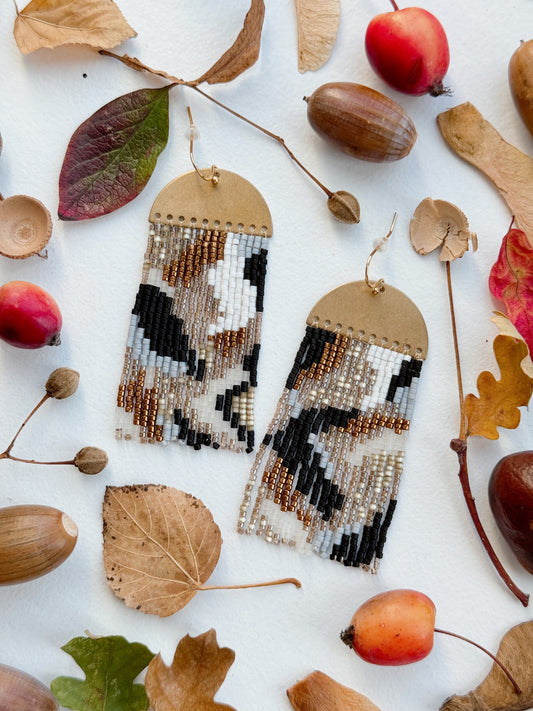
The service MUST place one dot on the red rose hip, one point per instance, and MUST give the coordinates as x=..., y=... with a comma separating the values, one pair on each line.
x=29, y=316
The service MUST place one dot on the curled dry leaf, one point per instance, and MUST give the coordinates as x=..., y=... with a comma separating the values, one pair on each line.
x=495, y=693
x=160, y=546
x=244, y=51
x=52, y=23
x=511, y=281
x=475, y=140
x=112, y=155
x=499, y=400
x=507, y=328
x=318, y=692
x=437, y=223
x=190, y=683
x=317, y=25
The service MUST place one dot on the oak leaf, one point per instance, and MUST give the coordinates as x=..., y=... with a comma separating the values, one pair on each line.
x=496, y=693
x=318, y=692
x=317, y=24
x=190, y=683
x=111, y=665
x=160, y=546
x=507, y=328
x=499, y=400
x=511, y=281
x=112, y=154
x=243, y=53
x=53, y=23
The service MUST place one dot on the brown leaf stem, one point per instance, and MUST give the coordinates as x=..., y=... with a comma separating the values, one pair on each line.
x=281, y=581
x=494, y=658
x=459, y=446
x=137, y=65
x=5, y=455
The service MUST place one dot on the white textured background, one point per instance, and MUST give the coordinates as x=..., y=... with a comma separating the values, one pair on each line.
x=279, y=634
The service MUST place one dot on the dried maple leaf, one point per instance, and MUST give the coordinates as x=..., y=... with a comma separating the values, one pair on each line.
x=110, y=664
x=507, y=328
x=53, y=23
x=160, y=547
x=318, y=692
x=243, y=53
x=511, y=281
x=317, y=25
x=197, y=672
x=495, y=693
x=499, y=400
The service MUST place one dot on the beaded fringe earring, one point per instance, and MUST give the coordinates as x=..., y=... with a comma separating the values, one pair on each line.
x=190, y=367
x=335, y=447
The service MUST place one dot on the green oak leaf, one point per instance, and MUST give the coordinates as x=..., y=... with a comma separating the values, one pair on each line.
x=112, y=155
x=110, y=664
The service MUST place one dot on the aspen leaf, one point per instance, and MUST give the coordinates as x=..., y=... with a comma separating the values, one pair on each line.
x=499, y=400
x=160, y=546
x=318, y=692
x=52, y=23
x=112, y=155
x=511, y=281
x=495, y=693
x=243, y=53
x=317, y=24
x=507, y=328
x=190, y=683
x=111, y=665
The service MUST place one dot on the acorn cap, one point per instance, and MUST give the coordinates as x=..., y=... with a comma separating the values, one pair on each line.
x=25, y=226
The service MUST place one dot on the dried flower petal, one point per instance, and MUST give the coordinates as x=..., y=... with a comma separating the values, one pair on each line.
x=62, y=383
x=90, y=460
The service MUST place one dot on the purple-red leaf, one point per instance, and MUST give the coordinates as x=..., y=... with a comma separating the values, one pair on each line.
x=112, y=155
x=511, y=281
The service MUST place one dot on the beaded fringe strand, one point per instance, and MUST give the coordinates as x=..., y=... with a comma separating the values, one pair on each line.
x=190, y=367
x=334, y=450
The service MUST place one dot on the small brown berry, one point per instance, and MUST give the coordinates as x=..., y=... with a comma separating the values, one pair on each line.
x=90, y=460
x=344, y=207
x=62, y=383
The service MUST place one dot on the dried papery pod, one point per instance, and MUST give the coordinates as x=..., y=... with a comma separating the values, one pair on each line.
x=91, y=460
x=33, y=541
x=318, y=692
x=25, y=226
x=361, y=121
x=22, y=692
x=521, y=82
x=345, y=207
x=437, y=223
x=62, y=383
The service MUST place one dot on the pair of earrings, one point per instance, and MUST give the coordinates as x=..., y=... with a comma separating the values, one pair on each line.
x=327, y=472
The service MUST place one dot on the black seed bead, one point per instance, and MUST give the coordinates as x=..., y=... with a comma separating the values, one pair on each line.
x=226, y=416
x=373, y=538
x=235, y=420
x=184, y=427
x=267, y=439
x=385, y=527
x=241, y=433
x=364, y=545
x=219, y=404
x=351, y=553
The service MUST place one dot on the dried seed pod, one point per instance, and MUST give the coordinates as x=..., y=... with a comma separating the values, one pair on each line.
x=62, y=383
x=25, y=226
x=91, y=460
x=21, y=692
x=33, y=541
x=344, y=207
x=521, y=82
x=361, y=121
x=437, y=223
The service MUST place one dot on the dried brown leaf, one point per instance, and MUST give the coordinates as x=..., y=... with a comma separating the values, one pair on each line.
x=317, y=25
x=53, y=23
x=437, y=223
x=190, y=683
x=160, y=546
x=244, y=51
x=507, y=328
x=496, y=693
x=318, y=692
x=499, y=400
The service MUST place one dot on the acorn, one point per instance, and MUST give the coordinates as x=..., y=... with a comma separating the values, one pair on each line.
x=361, y=121
x=22, y=692
x=34, y=540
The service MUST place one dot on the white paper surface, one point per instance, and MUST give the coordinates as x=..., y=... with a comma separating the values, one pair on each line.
x=93, y=270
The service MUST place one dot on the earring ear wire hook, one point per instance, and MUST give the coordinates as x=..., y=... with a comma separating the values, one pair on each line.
x=213, y=176
x=378, y=287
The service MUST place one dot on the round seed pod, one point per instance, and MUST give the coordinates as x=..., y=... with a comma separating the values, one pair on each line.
x=90, y=460
x=344, y=206
x=62, y=383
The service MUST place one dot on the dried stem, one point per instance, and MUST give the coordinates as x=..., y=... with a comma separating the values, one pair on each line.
x=459, y=446
x=394, y=5
x=134, y=63
x=5, y=455
x=494, y=659
x=281, y=581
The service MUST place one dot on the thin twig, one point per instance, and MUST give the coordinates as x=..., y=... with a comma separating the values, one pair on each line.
x=462, y=414
x=33, y=461
x=10, y=447
x=282, y=581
